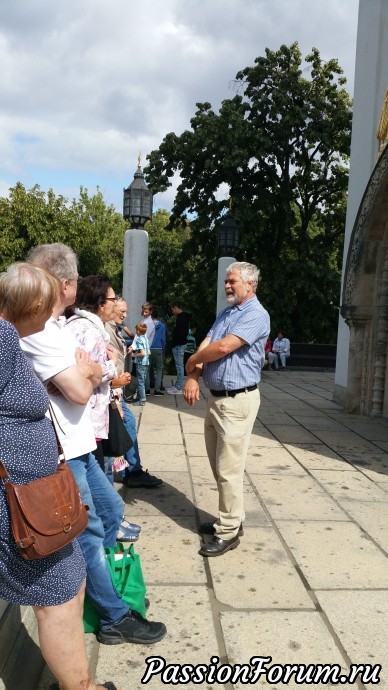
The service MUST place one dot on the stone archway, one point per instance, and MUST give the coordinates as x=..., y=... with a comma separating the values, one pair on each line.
x=365, y=299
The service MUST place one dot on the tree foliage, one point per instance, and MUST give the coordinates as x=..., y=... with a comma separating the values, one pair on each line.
x=281, y=144
x=94, y=230
x=178, y=268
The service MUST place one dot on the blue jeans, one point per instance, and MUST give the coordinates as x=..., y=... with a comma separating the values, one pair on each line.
x=105, y=513
x=156, y=368
x=282, y=358
x=179, y=354
x=141, y=370
x=132, y=455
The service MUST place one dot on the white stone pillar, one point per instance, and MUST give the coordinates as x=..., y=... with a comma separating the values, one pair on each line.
x=370, y=84
x=135, y=271
x=223, y=264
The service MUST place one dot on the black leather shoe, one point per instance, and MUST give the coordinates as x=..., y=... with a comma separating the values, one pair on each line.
x=217, y=546
x=208, y=528
x=132, y=628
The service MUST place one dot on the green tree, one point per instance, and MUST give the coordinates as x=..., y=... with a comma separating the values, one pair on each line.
x=177, y=265
x=94, y=230
x=281, y=144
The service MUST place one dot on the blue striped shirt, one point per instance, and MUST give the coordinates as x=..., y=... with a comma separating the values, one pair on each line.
x=241, y=368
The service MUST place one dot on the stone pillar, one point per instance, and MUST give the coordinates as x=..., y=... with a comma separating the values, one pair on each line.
x=135, y=271
x=356, y=361
x=223, y=264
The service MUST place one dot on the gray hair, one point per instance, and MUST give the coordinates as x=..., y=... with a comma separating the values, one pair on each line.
x=57, y=258
x=247, y=272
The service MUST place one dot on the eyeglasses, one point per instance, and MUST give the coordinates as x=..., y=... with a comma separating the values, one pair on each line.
x=111, y=299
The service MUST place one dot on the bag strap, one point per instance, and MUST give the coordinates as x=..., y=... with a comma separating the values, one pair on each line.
x=121, y=564
x=53, y=416
x=3, y=472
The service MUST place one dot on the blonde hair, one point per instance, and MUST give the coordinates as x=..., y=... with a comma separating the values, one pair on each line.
x=141, y=328
x=27, y=290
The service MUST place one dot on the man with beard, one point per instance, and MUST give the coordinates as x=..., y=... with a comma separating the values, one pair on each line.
x=230, y=358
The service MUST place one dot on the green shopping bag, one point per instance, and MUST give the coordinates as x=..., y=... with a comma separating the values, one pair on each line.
x=125, y=569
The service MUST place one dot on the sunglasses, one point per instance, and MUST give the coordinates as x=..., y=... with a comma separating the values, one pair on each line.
x=111, y=299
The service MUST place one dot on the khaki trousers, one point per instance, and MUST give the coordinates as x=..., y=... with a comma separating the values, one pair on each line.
x=228, y=427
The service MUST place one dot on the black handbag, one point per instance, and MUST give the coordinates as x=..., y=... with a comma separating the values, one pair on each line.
x=119, y=440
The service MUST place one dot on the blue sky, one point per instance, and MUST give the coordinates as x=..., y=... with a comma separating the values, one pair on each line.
x=87, y=85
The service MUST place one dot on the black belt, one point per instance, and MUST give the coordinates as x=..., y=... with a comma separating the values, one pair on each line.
x=231, y=394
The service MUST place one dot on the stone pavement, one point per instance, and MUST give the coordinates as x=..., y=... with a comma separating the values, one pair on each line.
x=309, y=582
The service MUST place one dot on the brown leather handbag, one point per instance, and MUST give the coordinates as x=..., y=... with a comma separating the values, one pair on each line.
x=47, y=513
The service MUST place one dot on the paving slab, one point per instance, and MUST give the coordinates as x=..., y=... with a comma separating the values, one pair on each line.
x=272, y=461
x=263, y=438
x=363, y=613
x=156, y=415
x=200, y=469
x=248, y=581
x=314, y=422
x=291, y=434
x=375, y=459
x=350, y=486
x=168, y=550
x=206, y=499
x=318, y=456
x=369, y=431
x=174, y=497
x=335, y=555
x=297, y=497
x=343, y=440
x=190, y=638
x=191, y=425
x=160, y=434
x=372, y=517
x=157, y=460
x=286, y=637
x=195, y=444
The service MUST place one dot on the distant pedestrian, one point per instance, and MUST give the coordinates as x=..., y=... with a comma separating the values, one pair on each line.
x=157, y=354
x=140, y=350
x=179, y=344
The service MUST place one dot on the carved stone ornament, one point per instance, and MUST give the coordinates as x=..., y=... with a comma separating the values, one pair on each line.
x=377, y=181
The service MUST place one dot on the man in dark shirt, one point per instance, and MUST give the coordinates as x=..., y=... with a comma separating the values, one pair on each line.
x=179, y=342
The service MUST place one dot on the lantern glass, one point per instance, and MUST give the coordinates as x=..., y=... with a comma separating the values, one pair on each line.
x=228, y=234
x=137, y=201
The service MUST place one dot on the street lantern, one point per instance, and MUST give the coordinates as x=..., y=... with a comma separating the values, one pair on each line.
x=137, y=203
x=228, y=235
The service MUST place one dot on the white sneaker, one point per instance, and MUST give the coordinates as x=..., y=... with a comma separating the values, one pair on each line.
x=173, y=391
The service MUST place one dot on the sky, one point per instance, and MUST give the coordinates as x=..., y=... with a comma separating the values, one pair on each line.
x=87, y=85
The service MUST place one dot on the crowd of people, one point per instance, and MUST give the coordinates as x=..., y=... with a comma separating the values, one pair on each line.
x=65, y=346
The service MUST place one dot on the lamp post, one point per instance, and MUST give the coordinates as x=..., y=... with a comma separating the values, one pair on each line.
x=228, y=241
x=137, y=207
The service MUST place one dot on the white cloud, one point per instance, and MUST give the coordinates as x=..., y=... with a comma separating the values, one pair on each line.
x=86, y=85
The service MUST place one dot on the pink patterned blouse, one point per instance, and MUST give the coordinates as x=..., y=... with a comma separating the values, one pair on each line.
x=90, y=334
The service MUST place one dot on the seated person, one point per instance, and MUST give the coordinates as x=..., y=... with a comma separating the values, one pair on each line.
x=280, y=350
x=267, y=351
